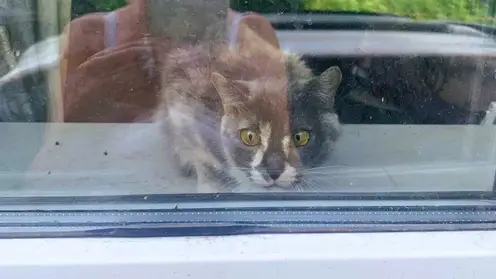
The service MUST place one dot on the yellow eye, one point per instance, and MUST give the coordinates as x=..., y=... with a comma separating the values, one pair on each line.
x=301, y=138
x=249, y=137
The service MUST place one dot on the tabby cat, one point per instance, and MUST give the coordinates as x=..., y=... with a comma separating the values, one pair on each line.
x=231, y=121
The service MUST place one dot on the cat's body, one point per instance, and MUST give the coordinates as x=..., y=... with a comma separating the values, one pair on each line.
x=229, y=121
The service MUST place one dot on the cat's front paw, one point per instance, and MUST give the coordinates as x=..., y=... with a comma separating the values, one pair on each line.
x=187, y=170
x=215, y=180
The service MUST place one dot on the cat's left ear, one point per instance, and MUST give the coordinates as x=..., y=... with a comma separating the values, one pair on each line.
x=328, y=83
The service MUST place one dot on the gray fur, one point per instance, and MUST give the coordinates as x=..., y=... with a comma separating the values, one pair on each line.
x=312, y=108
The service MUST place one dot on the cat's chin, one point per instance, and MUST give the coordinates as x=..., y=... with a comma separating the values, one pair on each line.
x=258, y=180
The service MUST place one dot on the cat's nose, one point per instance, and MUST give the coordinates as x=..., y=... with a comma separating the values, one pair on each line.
x=274, y=166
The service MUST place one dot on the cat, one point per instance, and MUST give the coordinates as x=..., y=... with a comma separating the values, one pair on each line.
x=233, y=121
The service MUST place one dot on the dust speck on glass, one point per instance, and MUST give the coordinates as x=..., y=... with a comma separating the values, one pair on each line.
x=172, y=104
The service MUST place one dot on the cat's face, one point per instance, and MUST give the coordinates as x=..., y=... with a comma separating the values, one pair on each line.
x=264, y=134
x=312, y=109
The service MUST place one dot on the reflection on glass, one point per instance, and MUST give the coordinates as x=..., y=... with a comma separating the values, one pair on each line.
x=370, y=98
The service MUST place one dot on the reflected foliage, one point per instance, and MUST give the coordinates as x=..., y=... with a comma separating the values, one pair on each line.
x=465, y=10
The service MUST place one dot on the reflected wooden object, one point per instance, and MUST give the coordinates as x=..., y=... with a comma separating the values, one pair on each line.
x=53, y=16
x=8, y=56
x=188, y=21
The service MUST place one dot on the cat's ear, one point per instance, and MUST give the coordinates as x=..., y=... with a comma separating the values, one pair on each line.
x=229, y=92
x=328, y=83
x=250, y=86
x=220, y=82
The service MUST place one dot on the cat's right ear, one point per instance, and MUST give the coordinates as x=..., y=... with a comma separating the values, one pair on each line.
x=228, y=92
x=328, y=83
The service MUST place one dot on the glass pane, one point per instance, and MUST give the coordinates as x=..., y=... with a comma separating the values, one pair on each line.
x=324, y=102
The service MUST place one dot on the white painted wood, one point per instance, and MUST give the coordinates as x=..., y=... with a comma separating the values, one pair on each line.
x=406, y=255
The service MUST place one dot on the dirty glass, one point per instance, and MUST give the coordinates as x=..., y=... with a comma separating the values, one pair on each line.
x=335, y=106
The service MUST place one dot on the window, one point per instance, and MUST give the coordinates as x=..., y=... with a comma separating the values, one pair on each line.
x=160, y=118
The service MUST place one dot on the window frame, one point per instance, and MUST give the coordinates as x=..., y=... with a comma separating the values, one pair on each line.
x=469, y=254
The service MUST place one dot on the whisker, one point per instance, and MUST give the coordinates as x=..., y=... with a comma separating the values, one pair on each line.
x=240, y=168
x=328, y=167
x=308, y=184
x=312, y=173
x=229, y=184
x=299, y=187
x=326, y=180
x=312, y=187
x=296, y=185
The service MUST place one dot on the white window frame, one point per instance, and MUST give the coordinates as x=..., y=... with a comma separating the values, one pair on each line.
x=406, y=255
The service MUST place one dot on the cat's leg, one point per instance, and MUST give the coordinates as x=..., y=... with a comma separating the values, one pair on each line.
x=212, y=179
x=174, y=147
x=206, y=183
x=186, y=169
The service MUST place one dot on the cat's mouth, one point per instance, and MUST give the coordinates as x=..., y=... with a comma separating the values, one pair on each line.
x=269, y=181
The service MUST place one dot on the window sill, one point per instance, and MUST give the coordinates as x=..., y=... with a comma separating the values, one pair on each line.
x=362, y=255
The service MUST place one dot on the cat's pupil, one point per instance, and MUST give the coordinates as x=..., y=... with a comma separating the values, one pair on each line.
x=250, y=137
x=297, y=137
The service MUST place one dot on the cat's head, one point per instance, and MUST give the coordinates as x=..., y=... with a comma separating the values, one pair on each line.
x=261, y=137
x=311, y=101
